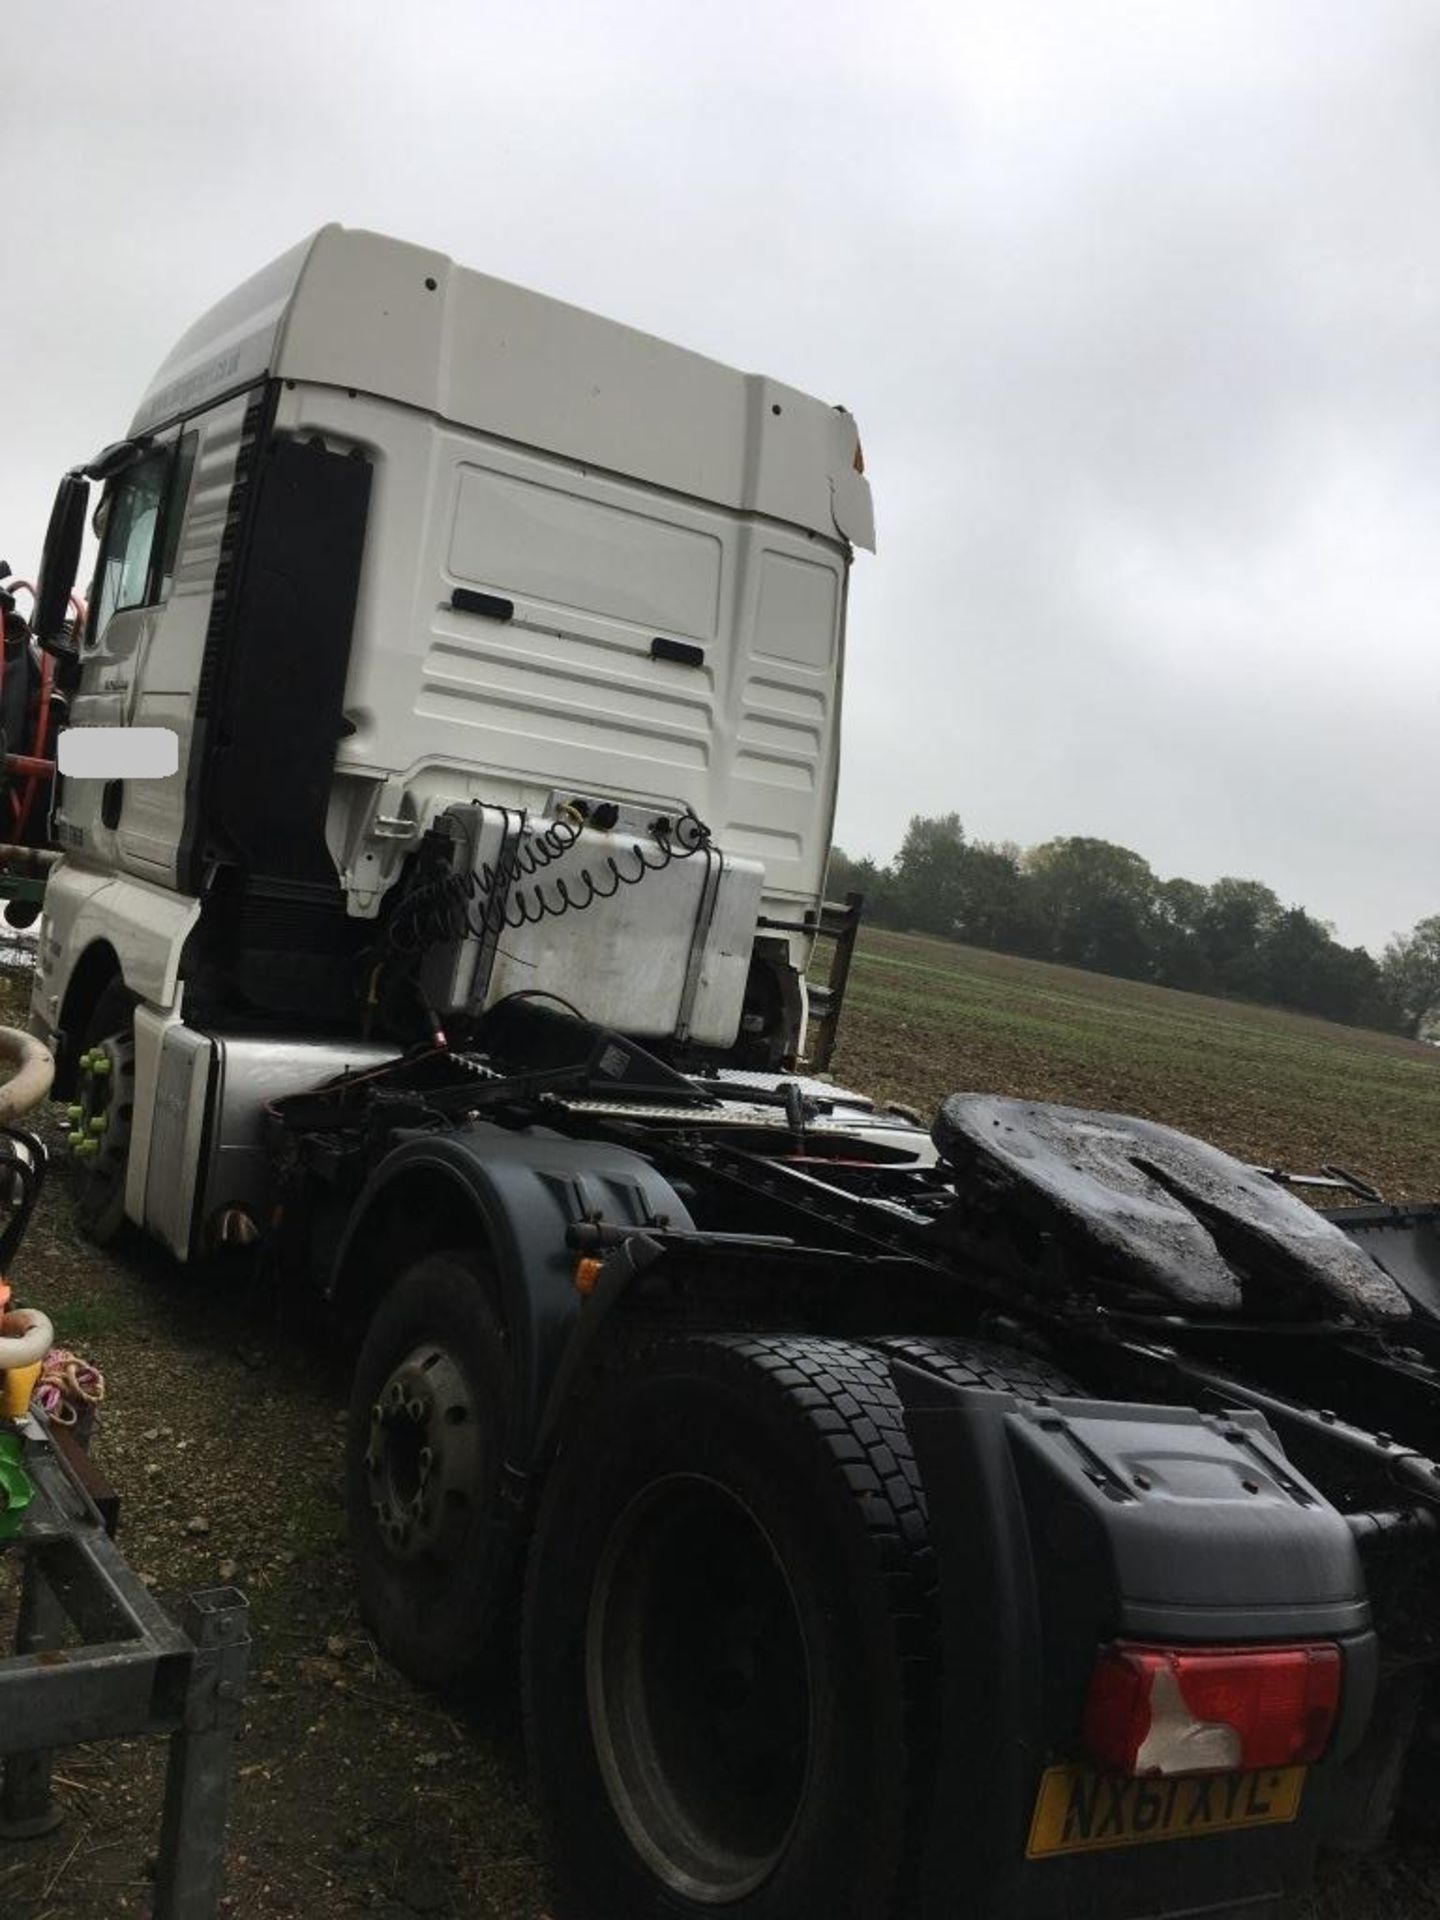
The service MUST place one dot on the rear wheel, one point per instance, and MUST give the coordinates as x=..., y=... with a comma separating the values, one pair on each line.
x=982, y=1363
x=729, y=1638
x=425, y=1451
x=103, y=1113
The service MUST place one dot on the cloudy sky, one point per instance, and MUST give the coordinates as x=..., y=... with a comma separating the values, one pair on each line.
x=1137, y=303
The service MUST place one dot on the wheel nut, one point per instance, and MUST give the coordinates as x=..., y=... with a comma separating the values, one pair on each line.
x=99, y=1122
x=72, y=1114
x=425, y=1462
x=100, y=1064
x=416, y=1410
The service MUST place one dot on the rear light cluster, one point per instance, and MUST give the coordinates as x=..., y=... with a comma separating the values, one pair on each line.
x=1162, y=1710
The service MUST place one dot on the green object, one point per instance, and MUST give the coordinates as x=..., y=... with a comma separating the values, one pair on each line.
x=72, y=1114
x=99, y=1122
x=100, y=1063
x=16, y=1492
x=18, y=887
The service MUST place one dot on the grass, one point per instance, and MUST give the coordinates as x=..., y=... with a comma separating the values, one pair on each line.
x=90, y=1318
x=925, y=1018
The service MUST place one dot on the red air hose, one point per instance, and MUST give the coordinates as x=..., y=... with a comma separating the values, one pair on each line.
x=42, y=727
x=39, y=767
x=15, y=587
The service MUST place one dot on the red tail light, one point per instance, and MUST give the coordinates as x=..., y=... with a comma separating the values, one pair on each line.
x=1220, y=1710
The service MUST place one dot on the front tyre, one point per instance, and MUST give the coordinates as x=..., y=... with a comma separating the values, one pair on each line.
x=729, y=1638
x=424, y=1465
x=102, y=1116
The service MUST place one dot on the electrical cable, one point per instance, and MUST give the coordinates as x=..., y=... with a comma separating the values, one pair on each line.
x=509, y=894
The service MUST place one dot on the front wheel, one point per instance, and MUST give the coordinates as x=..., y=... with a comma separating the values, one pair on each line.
x=102, y=1117
x=729, y=1638
x=425, y=1451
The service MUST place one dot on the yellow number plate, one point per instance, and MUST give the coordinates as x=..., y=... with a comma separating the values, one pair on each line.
x=1078, y=1810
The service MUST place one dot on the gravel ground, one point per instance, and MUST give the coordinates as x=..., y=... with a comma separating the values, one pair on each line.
x=222, y=1429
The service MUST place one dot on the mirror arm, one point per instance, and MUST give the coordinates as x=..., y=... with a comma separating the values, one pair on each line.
x=116, y=458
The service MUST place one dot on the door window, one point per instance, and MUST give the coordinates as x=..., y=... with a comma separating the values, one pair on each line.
x=132, y=518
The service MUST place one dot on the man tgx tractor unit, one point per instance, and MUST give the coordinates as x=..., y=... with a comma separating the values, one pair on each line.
x=1033, y=1518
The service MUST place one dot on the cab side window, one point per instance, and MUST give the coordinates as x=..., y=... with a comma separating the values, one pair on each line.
x=125, y=576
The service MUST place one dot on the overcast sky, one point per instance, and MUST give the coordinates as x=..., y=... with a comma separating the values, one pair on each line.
x=1137, y=305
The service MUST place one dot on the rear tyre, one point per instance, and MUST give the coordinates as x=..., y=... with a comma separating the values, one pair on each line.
x=981, y=1363
x=729, y=1629
x=105, y=1097
x=424, y=1463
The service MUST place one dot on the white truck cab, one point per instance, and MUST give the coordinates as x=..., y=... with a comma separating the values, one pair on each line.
x=502, y=645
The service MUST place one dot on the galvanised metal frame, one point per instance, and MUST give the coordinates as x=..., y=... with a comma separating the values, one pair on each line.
x=98, y=1658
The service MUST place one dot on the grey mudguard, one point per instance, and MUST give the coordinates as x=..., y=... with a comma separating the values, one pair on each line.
x=1049, y=1547
x=526, y=1190
x=1176, y=1525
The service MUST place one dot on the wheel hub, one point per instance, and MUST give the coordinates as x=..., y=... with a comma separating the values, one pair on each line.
x=699, y=1690
x=423, y=1456
x=100, y=1121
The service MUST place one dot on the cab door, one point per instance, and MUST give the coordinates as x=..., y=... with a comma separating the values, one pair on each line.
x=126, y=604
x=168, y=522
x=200, y=560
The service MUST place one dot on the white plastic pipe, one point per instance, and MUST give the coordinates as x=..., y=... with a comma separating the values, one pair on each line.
x=32, y=1071
x=26, y=1335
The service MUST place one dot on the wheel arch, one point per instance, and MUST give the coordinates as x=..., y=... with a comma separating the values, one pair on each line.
x=97, y=969
x=513, y=1197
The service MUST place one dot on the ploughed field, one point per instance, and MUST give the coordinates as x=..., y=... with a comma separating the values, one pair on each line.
x=925, y=1018
x=223, y=1428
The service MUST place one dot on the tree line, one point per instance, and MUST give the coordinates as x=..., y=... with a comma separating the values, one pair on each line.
x=1092, y=904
